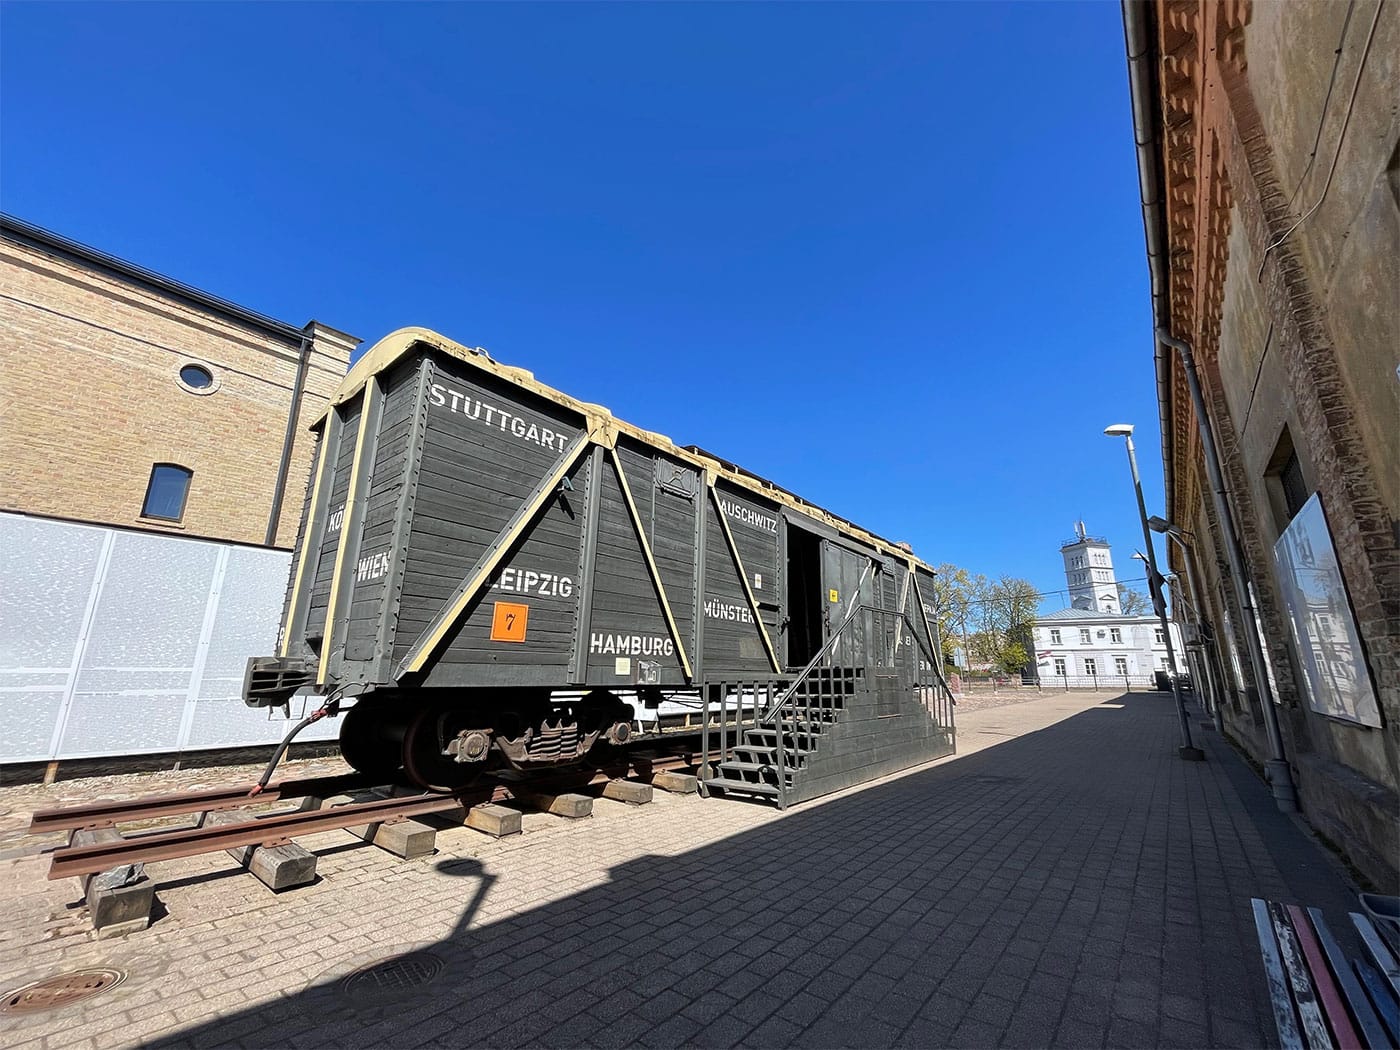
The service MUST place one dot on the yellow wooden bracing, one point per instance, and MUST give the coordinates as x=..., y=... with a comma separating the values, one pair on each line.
x=349, y=526
x=447, y=620
x=903, y=609
x=304, y=555
x=651, y=563
x=743, y=577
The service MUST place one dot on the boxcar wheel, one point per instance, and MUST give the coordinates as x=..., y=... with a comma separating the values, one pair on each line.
x=428, y=733
x=371, y=739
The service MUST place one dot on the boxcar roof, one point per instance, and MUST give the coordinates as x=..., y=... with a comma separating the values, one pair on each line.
x=394, y=346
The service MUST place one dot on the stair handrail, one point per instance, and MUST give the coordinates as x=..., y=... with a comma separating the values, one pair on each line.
x=771, y=715
x=932, y=661
x=806, y=672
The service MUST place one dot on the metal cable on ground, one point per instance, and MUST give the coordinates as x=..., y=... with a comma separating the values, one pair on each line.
x=331, y=707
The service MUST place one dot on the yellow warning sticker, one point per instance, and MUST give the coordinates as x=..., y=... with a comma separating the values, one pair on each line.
x=508, y=622
x=834, y=596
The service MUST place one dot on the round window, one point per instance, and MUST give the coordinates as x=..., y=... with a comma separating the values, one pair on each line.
x=197, y=378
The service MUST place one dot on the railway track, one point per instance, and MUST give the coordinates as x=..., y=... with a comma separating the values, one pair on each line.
x=95, y=844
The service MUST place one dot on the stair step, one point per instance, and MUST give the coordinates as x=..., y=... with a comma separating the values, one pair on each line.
x=771, y=752
x=740, y=766
x=741, y=785
x=772, y=734
x=804, y=742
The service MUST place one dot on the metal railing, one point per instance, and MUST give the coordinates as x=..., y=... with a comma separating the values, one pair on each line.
x=746, y=697
x=886, y=635
x=1115, y=682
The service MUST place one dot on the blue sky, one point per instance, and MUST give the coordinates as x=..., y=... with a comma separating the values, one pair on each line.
x=889, y=256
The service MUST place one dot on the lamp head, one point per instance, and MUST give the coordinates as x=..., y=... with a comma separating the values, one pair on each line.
x=1166, y=528
x=1119, y=430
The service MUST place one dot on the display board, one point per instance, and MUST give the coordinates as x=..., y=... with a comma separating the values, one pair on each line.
x=1324, y=631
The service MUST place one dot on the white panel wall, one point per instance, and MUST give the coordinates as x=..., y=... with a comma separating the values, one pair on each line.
x=116, y=642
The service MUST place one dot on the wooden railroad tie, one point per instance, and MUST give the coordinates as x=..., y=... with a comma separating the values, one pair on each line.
x=278, y=867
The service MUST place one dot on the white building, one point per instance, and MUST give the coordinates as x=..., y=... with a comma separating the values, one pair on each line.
x=1091, y=641
x=1089, y=572
x=1084, y=646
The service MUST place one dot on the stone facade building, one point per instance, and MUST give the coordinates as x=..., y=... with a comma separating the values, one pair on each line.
x=155, y=456
x=1268, y=140
x=137, y=401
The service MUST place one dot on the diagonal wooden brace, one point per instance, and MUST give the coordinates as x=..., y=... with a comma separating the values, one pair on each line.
x=651, y=563
x=744, y=579
x=456, y=606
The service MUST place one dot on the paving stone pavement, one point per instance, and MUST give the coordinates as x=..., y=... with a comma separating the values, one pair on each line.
x=1064, y=881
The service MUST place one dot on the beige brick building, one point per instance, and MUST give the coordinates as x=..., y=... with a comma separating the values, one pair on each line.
x=1269, y=149
x=110, y=371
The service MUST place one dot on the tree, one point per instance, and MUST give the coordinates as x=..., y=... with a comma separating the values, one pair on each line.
x=955, y=591
x=1012, y=604
x=1002, y=616
x=1133, y=603
x=994, y=620
x=1014, y=658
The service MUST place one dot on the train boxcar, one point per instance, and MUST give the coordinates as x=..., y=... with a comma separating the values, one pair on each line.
x=499, y=573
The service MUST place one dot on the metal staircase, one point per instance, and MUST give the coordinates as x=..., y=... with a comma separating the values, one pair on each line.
x=799, y=740
x=769, y=758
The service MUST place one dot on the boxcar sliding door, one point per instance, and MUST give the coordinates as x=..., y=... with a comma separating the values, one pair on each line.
x=849, y=576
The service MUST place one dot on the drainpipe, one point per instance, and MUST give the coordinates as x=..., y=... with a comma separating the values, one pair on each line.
x=1142, y=84
x=284, y=465
x=1142, y=87
x=1279, y=775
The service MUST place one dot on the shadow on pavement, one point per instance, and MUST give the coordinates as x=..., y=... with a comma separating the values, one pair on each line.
x=1077, y=886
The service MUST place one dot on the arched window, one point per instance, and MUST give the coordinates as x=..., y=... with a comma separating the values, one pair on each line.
x=166, y=492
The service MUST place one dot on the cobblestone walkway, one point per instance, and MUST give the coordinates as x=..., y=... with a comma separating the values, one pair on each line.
x=1065, y=881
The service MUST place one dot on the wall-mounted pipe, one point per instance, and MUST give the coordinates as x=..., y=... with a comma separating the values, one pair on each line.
x=1142, y=84
x=1279, y=774
x=284, y=464
x=1142, y=87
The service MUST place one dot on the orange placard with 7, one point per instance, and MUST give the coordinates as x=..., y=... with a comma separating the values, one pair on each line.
x=508, y=622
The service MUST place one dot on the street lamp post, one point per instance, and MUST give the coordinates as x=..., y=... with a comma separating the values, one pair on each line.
x=1195, y=651
x=1187, y=750
x=1177, y=534
x=1181, y=608
x=1277, y=770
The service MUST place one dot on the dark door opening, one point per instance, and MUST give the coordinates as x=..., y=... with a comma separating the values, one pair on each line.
x=804, y=596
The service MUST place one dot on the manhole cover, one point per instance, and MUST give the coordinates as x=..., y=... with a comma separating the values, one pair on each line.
x=390, y=977
x=53, y=992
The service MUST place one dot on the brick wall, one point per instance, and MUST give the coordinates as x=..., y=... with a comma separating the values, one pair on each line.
x=1286, y=219
x=89, y=362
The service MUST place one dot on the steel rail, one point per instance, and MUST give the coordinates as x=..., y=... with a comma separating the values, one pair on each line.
x=279, y=828
x=106, y=813
x=174, y=843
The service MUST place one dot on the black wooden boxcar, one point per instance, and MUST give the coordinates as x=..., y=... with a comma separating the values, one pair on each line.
x=499, y=572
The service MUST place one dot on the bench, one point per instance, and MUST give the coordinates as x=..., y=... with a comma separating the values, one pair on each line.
x=1320, y=998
